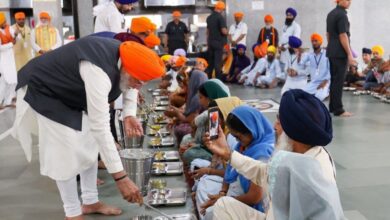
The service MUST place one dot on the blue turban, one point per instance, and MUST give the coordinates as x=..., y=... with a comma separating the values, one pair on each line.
x=305, y=119
x=294, y=42
x=367, y=51
x=125, y=2
x=292, y=11
x=241, y=46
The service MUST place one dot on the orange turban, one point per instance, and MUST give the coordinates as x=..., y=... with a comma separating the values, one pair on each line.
x=261, y=50
x=141, y=62
x=176, y=14
x=141, y=25
x=180, y=61
x=220, y=5
x=202, y=61
x=238, y=15
x=269, y=19
x=152, y=40
x=316, y=37
x=227, y=47
x=20, y=15
x=2, y=18
x=44, y=15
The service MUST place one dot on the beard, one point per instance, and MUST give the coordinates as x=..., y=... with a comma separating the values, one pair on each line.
x=124, y=82
x=283, y=142
x=288, y=21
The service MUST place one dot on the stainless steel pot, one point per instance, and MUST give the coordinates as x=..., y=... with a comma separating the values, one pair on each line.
x=138, y=165
x=128, y=142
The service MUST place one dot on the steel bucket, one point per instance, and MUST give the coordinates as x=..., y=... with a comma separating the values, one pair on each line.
x=128, y=142
x=138, y=165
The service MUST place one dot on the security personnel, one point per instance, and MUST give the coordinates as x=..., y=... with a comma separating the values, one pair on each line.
x=176, y=34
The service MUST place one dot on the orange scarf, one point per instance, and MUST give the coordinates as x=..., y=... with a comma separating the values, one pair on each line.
x=7, y=37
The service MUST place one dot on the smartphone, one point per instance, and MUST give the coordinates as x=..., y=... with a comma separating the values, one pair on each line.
x=213, y=122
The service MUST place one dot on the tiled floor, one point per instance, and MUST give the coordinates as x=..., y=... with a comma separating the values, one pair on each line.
x=360, y=148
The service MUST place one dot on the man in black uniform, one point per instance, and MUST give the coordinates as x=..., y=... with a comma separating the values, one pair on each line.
x=176, y=34
x=216, y=39
x=339, y=54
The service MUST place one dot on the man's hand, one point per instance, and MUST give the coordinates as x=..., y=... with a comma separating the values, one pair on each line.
x=129, y=191
x=352, y=61
x=218, y=146
x=212, y=200
x=141, y=98
x=322, y=85
x=133, y=127
x=200, y=172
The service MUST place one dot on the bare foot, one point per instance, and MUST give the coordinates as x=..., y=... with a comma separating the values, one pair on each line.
x=346, y=114
x=100, y=208
x=99, y=182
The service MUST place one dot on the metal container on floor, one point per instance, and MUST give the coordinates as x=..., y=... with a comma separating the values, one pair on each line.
x=128, y=142
x=138, y=165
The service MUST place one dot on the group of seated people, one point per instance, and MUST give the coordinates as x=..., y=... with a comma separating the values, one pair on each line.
x=373, y=74
x=251, y=182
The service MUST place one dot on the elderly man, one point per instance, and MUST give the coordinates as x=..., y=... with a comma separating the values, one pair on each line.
x=56, y=91
x=269, y=32
x=308, y=126
x=250, y=74
x=318, y=68
x=109, y=16
x=339, y=53
x=176, y=34
x=22, y=47
x=216, y=39
x=290, y=28
x=237, y=32
x=45, y=37
x=7, y=63
x=295, y=68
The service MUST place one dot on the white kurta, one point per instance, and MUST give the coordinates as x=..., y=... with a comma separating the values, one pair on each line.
x=7, y=60
x=228, y=208
x=37, y=48
x=293, y=30
x=260, y=67
x=65, y=152
x=236, y=30
x=299, y=81
x=108, y=18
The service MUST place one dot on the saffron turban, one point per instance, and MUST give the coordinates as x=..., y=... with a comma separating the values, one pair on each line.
x=142, y=25
x=269, y=19
x=261, y=50
x=152, y=40
x=176, y=14
x=141, y=62
x=44, y=15
x=180, y=61
x=305, y=119
x=2, y=17
x=20, y=15
x=202, y=61
x=316, y=37
x=238, y=15
x=220, y=5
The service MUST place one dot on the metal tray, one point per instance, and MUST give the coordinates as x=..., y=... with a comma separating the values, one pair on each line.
x=178, y=217
x=167, y=197
x=162, y=103
x=165, y=142
x=160, y=108
x=167, y=168
x=166, y=156
x=160, y=119
x=158, y=98
x=163, y=131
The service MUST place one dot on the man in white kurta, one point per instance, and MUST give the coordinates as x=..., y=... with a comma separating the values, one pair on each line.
x=319, y=69
x=229, y=208
x=272, y=70
x=290, y=28
x=109, y=15
x=8, y=78
x=249, y=74
x=65, y=151
x=296, y=70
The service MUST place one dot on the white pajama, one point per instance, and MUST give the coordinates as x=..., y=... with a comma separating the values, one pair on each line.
x=259, y=68
x=321, y=94
x=7, y=92
x=8, y=78
x=300, y=80
x=69, y=193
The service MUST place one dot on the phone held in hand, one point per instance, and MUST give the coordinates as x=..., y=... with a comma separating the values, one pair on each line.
x=213, y=122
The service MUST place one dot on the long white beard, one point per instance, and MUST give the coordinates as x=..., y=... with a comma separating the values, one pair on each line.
x=284, y=143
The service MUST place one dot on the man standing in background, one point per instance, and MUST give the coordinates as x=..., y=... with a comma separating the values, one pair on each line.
x=216, y=39
x=339, y=54
x=8, y=78
x=176, y=34
x=237, y=32
x=22, y=47
x=45, y=37
x=109, y=16
x=268, y=32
